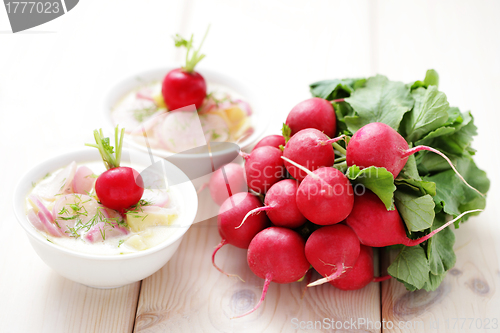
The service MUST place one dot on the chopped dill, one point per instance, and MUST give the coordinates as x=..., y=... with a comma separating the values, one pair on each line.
x=120, y=242
x=146, y=112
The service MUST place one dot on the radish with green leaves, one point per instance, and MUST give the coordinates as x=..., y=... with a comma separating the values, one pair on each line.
x=378, y=144
x=277, y=255
x=118, y=188
x=183, y=86
x=378, y=227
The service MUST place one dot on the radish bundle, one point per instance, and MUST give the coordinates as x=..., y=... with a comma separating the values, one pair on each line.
x=393, y=169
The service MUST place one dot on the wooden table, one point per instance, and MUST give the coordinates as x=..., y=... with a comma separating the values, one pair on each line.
x=51, y=82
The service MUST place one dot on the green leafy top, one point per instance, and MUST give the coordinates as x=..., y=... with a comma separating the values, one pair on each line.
x=105, y=148
x=196, y=56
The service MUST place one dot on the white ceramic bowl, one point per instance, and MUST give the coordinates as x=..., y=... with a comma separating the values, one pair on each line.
x=258, y=118
x=109, y=271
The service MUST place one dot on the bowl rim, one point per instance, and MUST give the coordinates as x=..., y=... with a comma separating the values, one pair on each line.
x=109, y=99
x=26, y=182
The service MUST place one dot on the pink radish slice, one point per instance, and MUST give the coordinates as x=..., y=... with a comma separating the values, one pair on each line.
x=83, y=180
x=38, y=206
x=104, y=230
x=35, y=220
x=156, y=197
x=73, y=208
x=61, y=184
x=52, y=229
x=244, y=106
x=151, y=122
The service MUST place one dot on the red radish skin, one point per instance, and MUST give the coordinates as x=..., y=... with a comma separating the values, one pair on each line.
x=231, y=175
x=231, y=213
x=332, y=251
x=276, y=255
x=263, y=168
x=360, y=275
x=325, y=197
x=308, y=148
x=315, y=113
x=271, y=140
x=378, y=227
x=378, y=144
x=181, y=88
x=119, y=188
x=281, y=206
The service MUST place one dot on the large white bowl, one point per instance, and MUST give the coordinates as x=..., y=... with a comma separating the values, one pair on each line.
x=185, y=161
x=108, y=271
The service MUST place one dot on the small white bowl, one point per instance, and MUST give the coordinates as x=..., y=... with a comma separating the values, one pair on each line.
x=184, y=161
x=104, y=271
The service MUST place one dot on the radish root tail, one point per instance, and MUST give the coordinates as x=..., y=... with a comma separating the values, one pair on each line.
x=244, y=155
x=301, y=167
x=202, y=187
x=413, y=242
x=217, y=248
x=309, y=275
x=336, y=274
x=264, y=292
x=419, y=148
x=333, y=140
x=381, y=278
x=252, y=212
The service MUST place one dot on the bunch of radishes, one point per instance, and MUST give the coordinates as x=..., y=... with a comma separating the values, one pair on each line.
x=328, y=201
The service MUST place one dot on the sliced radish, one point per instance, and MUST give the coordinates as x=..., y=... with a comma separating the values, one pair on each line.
x=180, y=131
x=83, y=181
x=214, y=127
x=61, y=184
x=73, y=208
x=151, y=122
x=244, y=106
x=38, y=207
x=156, y=197
x=35, y=220
x=52, y=229
x=105, y=230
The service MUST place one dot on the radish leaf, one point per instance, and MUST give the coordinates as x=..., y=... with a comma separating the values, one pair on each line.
x=411, y=266
x=381, y=100
x=428, y=113
x=378, y=180
x=416, y=211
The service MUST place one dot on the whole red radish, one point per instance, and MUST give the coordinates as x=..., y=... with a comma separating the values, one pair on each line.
x=374, y=224
x=325, y=196
x=271, y=140
x=360, y=275
x=315, y=113
x=225, y=181
x=378, y=144
x=311, y=149
x=119, y=187
x=276, y=255
x=231, y=213
x=263, y=168
x=378, y=227
x=183, y=86
x=281, y=206
x=332, y=251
